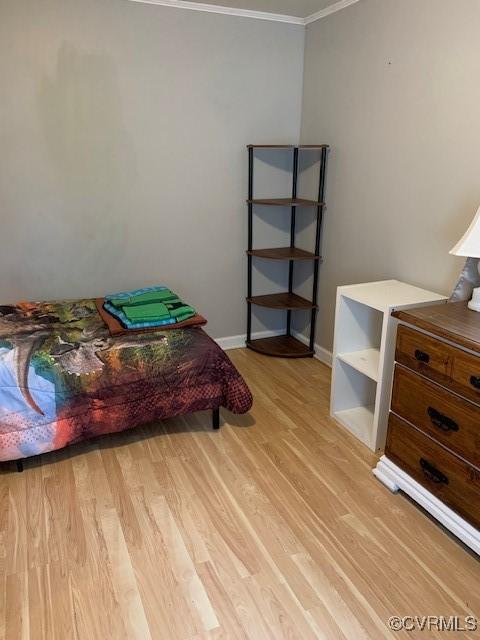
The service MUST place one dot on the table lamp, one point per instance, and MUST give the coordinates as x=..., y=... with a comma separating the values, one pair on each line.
x=469, y=246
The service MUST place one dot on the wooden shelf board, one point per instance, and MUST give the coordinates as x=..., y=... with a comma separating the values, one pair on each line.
x=365, y=361
x=270, y=146
x=286, y=202
x=288, y=146
x=281, y=347
x=358, y=421
x=283, y=253
x=282, y=301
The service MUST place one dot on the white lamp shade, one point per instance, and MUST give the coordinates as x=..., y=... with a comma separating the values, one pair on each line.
x=469, y=244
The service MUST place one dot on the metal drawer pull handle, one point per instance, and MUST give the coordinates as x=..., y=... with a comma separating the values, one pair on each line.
x=475, y=381
x=421, y=356
x=432, y=473
x=442, y=422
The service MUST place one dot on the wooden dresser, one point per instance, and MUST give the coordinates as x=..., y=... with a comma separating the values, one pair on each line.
x=433, y=441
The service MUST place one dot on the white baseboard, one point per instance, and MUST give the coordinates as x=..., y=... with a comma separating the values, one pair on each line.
x=395, y=478
x=238, y=342
x=321, y=353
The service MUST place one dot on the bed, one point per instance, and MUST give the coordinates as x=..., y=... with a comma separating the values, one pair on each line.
x=64, y=378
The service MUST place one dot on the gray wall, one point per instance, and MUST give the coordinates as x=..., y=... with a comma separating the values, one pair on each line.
x=122, y=132
x=123, y=129
x=393, y=86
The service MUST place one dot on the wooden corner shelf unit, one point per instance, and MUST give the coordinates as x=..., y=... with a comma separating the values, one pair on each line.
x=286, y=345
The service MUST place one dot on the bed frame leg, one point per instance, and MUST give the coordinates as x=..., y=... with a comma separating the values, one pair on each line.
x=216, y=418
x=19, y=466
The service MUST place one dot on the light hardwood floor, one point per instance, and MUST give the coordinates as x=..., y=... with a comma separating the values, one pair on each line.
x=272, y=528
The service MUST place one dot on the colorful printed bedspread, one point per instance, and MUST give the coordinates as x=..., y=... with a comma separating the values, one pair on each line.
x=64, y=379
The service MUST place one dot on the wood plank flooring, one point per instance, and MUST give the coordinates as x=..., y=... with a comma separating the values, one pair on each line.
x=274, y=527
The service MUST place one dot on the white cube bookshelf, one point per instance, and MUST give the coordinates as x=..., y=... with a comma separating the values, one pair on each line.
x=364, y=351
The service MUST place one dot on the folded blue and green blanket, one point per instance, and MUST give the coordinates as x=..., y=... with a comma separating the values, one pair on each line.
x=148, y=307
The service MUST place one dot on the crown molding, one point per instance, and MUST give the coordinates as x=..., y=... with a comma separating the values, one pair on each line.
x=250, y=13
x=333, y=8
x=229, y=11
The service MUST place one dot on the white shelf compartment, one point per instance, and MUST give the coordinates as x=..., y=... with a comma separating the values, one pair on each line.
x=363, y=354
x=365, y=361
x=358, y=421
x=358, y=327
x=354, y=405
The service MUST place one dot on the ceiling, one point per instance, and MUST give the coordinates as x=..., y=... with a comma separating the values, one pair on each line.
x=300, y=8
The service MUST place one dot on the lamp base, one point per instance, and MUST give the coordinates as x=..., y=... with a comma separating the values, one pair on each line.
x=474, y=303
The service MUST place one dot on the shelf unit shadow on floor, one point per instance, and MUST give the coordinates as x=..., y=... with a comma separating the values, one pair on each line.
x=286, y=345
x=364, y=348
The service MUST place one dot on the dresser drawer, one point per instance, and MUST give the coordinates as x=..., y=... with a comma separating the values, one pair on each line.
x=452, y=480
x=456, y=369
x=466, y=374
x=424, y=353
x=449, y=419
